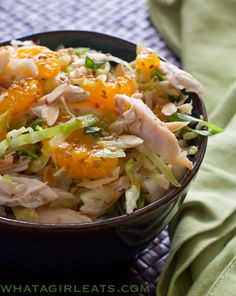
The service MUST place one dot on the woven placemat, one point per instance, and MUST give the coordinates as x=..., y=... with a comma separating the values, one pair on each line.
x=125, y=19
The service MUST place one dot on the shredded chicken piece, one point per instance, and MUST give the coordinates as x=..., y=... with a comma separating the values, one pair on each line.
x=62, y=216
x=180, y=79
x=20, y=166
x=141, y=121
x=12, y=163
x=9, y=159
x=18, y=69
x=24, y=191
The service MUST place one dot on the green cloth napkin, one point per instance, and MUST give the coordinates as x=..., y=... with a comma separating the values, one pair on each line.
x=202, y=259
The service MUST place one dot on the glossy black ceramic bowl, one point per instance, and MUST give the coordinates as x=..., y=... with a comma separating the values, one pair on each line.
x=105, y=243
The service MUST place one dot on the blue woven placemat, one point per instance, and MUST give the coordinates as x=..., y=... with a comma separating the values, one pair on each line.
x=125, y=19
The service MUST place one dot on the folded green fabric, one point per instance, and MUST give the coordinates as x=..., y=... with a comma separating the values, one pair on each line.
x=202, y=259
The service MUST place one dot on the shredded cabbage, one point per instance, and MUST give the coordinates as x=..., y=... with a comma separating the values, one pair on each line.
x=80, y=51
x=132, y=196
x=160, y=164
x=110, y=152
x=26, y=214
x=32, y=137
x=39, y=163
x=67, y=201
x=156, y=185
x=133, y=193
x=130, y=169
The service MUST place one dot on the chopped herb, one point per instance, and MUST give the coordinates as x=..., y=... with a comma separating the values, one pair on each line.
x=73, y=190
x=120, y=205
x=91, y=64
x=172, y=98
x=91, y=130
x=212, y=128
x=158, y=75
x=37, y=122
x=140, y=202
x=115, y=210
x=204, y=133
x=28, y=153
x=76, y=181
x=80, y=51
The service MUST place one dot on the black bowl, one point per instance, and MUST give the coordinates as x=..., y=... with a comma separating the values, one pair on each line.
x=89, y=246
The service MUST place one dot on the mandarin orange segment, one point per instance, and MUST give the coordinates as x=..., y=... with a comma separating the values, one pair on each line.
x=46, y=60
x=146, y=63
x=102, y=93
x=4, y=122
x=76, y=155
x=20, y=96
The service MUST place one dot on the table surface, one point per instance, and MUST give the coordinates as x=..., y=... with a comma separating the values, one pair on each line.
x=125, y=19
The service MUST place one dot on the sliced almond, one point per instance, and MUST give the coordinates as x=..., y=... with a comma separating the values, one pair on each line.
x=169, y=109
x=50, y=114
x=52, y=96
x=186, y=108
x=176, y=125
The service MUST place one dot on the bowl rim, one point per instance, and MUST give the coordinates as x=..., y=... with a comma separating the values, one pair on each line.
x=123, y=219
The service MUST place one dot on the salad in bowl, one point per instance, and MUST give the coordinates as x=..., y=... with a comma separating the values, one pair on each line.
x=86, y=136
